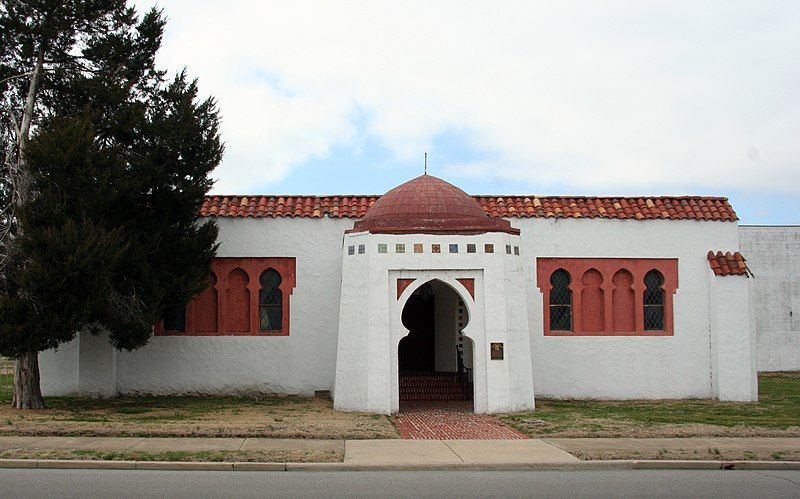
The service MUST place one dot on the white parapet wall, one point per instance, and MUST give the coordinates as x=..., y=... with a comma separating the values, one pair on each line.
x=628, y=367
x=733, y=339
x=773, y=255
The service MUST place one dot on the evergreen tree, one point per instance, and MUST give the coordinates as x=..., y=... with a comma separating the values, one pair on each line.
x=118, y=163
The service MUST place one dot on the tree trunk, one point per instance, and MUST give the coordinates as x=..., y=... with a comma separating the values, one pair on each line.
x=27, y=392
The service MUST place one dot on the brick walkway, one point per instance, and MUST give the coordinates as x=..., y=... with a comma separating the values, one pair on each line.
x=448, y=420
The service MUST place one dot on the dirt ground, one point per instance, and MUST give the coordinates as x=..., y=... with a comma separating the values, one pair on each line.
x=613, y=428
x=267, y=416
x=213, y=456
x=710, y=454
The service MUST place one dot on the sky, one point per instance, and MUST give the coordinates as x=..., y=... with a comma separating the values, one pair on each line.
x=549, y=98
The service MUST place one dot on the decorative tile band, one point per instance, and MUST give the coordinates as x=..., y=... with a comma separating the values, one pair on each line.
x=419, y=248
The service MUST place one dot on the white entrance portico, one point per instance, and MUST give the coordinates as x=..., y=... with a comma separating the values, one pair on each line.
x=451, y=243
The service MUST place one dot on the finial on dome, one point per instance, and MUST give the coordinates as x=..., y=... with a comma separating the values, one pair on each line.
x=425, y=170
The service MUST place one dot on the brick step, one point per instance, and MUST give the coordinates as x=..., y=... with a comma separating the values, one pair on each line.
x=456, y=389
x=426, y=383
x=439, y=377
x=432, y=386
x=435, y=396
x=429, y=383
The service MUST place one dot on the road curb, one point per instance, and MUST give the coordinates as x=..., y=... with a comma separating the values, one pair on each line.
x=249, y=466
x=253, y=466
x=82, y=465
x=17, y=463
x=184, y=465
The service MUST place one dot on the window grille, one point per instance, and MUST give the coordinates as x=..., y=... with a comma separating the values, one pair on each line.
x=270, y=301
x=653, y=301
x=560, y=301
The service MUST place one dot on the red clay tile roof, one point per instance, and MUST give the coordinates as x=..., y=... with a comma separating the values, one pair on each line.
x=724, y=264
x=638, y=208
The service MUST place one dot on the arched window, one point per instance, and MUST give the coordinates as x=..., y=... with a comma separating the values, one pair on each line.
x=238, y=301
x=560, y=301
x=270, y=301
x=175, y=320
x=205, y=309
x=592, y=301
x=623, y=301
x=653, y=301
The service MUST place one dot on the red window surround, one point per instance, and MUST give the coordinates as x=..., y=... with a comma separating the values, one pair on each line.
x=229, y=306
x=608, y=294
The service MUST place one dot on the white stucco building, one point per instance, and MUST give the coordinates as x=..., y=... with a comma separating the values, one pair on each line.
x=773, y=254
x=427, y=293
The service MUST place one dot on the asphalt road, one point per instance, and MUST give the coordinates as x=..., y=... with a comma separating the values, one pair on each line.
x=197, y=484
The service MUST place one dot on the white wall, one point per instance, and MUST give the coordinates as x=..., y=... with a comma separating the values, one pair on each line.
x=371, y=328
x=59, y=369
x=773, y=254
x=625, y=367
x=445, y=306
x=299, y=363
x=733, y=339
x=606, y=367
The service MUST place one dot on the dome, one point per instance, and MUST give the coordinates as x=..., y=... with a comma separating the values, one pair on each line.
x=429, y=205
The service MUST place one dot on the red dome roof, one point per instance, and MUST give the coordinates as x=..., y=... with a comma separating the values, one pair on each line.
x=429, y=205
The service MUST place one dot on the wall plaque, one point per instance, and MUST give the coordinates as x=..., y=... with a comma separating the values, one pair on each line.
x=497, y=351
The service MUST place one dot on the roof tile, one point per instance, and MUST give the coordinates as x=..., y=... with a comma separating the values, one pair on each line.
x=637, y=208
x=725, y=264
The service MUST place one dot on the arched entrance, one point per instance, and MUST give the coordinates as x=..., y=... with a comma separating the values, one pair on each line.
x=435, y=359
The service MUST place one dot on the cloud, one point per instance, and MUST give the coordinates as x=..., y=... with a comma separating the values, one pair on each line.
x=601, y=96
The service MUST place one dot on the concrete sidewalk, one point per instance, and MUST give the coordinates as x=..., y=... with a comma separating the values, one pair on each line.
x=408, y=454
x=444, y=452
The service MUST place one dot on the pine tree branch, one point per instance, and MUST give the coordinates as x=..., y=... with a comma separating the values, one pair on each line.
x=14, y=121
x=12, y=77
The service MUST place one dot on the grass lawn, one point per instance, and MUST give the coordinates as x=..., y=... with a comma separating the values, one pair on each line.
x=776, y=414
x=265, y=416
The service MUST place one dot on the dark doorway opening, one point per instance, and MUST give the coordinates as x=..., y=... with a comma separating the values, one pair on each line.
x=416, y=352
x=433, y=363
